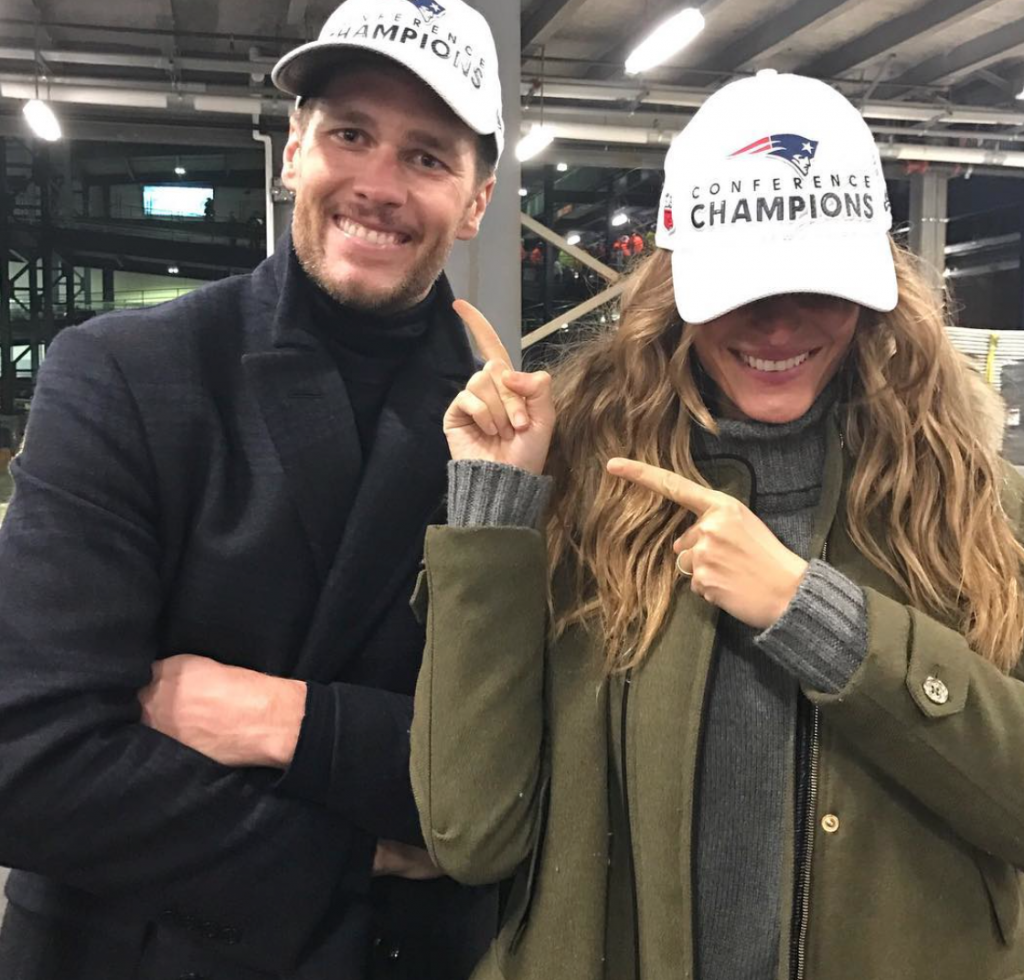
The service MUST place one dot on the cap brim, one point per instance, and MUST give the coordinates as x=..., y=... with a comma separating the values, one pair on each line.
x=299, y=72
x=712, y=281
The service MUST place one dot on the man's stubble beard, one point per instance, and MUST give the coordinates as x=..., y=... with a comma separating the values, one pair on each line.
x=308, y=227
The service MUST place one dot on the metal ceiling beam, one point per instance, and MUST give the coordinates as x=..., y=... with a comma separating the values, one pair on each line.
x=616, y=56
x=546, y=19
x=160, y=134
x=970, y=56
x=147, y=62
x=764, y=38
x=916, y=24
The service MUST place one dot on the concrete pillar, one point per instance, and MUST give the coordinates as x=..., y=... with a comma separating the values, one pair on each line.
x=486, y=271
x=928, y=211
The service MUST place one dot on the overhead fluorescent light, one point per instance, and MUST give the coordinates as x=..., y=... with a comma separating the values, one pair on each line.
x=42, y=120
x=537, y=139
x=620, y=219
x=562, y=168
x=180, y=171
x=665, y=41
x=573, y=239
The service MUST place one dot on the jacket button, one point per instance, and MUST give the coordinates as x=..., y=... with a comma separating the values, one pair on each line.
x=935, y=691
x=830, y=823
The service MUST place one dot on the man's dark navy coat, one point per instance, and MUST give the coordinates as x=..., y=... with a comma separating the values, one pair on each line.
x=192, y=482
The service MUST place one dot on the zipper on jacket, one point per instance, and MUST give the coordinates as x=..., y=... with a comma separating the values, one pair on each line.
x=803, y=887
x=802, y=898
x=627, y=684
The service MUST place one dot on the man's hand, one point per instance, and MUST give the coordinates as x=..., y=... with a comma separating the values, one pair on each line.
x=404, y=861
x=732, y=558
x=235, y=716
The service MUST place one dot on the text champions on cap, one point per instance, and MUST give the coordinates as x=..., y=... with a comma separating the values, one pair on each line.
x=757, y=200
x=416, y=30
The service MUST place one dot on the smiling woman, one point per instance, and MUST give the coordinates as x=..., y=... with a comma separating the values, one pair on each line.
x=743, y=698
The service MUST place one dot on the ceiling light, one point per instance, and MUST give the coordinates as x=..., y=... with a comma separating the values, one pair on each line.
x=665, y=41
x=562, y=168
x=523, y=192
x=173, y=270
x=42, y=120
x=620, y=219
x=180, y=171
x=573, y=239
x=538, y=138
x=1020, y=94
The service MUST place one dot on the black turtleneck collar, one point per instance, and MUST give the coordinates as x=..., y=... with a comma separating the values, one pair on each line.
x=368, y=349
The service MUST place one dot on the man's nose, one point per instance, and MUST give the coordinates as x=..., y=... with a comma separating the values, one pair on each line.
x=381, y=181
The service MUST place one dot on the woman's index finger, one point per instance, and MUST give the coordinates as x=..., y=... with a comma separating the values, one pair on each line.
x=670, y=485
x=484, y=335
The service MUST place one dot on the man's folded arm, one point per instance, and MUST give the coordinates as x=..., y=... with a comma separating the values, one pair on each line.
x=88, y=795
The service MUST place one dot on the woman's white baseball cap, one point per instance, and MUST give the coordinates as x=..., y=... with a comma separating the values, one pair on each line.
x=446, y=43
x=776, y=186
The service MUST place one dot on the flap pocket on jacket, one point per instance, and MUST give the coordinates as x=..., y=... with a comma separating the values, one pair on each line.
x=1003, y=883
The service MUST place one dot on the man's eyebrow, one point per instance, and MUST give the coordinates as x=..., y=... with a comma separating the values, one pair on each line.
x=422, y=137
x=430, y=140
x=353, y=116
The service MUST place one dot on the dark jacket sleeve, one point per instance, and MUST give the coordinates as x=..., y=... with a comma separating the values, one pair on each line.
x=88, y=795
x=332, y=768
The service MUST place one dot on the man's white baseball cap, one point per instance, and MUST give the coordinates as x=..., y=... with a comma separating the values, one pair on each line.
x=776, y=186
x=446, y=43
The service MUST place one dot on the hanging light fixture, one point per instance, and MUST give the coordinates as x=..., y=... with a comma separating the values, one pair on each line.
x=540, y=137
x=665, y=41
x=42, y=120
x=38, y=114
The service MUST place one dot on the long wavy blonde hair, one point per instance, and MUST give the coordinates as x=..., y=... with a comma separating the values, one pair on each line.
x=923, y=503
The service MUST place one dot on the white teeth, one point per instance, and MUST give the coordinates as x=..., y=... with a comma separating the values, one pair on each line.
x=761, y=365
x=356, y=230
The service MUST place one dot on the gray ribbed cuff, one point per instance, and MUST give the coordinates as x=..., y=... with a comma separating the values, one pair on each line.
x=822, y=637
x=484, y=494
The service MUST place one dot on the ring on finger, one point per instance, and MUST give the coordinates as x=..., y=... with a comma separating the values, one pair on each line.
x=679, y=566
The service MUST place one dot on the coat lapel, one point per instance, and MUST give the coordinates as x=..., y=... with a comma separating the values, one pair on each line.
x=403, y=485
x=305, y=407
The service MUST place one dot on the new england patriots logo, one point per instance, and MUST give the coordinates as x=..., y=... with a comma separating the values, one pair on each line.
x=428, y=8
x=797, y=151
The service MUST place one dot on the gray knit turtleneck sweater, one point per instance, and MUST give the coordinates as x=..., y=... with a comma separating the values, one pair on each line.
x=745, y=803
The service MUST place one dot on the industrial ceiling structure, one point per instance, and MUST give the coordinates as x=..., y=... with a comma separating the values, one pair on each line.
x=942, y=74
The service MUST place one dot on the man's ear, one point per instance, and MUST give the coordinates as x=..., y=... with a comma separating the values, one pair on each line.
x=475, y=211
x=291, y=169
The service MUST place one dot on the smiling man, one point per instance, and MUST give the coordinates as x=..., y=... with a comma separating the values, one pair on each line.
x=205, y=634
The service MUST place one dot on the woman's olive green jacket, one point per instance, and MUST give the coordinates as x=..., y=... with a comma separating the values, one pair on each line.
x=918, y=784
